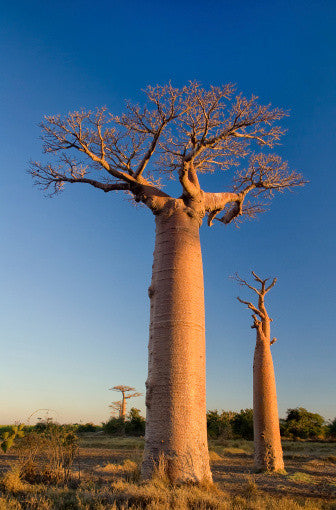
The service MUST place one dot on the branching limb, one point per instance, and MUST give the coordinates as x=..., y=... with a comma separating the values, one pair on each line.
x=258, y=325
x=116, y=407
x=252, y=307
x=271, y=285
x=262, y=324
x=215, y=203
x=83, y=131
x=189, y=181
x=48, y=177
x=182, y=131
x=145, y=160
x=258, y=279
x=133, y=395
x=264, y=176
x=244, y=283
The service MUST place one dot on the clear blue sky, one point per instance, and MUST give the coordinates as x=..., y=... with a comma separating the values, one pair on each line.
x=74, y=270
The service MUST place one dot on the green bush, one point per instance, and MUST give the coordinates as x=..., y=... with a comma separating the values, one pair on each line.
x=332, y=428
x=136, y=424
x=242, y=424
x=220, y=425
x=43, y=425
x=133, y=426
x=87, y=427
x=8, y=437
x=303, y=424
x=115, y=427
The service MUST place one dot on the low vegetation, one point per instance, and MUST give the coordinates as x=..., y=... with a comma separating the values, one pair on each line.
x=298, y=424
x=54, y=469
x=86, y=466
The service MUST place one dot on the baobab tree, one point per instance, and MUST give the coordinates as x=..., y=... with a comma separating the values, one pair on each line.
x=125, y=392
x=180, y=133
x=267, y=441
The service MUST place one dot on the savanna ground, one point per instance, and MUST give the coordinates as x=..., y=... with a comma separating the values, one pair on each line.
x=105, y=475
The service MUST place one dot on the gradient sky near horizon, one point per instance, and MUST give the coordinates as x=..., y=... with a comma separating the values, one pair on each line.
x=74, y=270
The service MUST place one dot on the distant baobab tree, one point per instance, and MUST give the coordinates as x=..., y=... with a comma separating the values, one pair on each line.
x=267, y=441
x=125, y=396
x=178, y=133
x=116, y=408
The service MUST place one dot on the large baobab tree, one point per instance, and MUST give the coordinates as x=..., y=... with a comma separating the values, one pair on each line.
x=267, y=441
x=180, y=133
x=125, y=395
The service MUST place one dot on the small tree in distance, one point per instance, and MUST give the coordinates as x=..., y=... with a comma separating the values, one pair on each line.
x=116, y=408
x=125, y=396
x=267, y=442
x=179, y=133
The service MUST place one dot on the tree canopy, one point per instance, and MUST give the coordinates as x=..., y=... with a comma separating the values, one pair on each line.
x=178, y=133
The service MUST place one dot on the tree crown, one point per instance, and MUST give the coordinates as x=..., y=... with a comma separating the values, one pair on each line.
x=177, y=133
x=261, y=320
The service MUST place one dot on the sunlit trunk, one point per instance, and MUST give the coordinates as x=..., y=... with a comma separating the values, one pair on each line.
x=123, y=408
x=267, y=441
x=176, y=408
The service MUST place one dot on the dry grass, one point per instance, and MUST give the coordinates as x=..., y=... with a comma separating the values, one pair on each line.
x=214, y=457
x=154, y=495
x=109, y=479
x=128, y=469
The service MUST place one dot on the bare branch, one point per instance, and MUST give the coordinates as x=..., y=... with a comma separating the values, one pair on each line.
x=271, y=285
x=257, y=278
x=116, y=407
x=182, y=132
x=137, y=394
x=244, y=283
x=48, y=177
x=260, y=310
x=252, y=307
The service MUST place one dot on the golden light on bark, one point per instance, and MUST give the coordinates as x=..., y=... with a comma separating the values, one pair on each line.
x=268, y=454
x=177, y=133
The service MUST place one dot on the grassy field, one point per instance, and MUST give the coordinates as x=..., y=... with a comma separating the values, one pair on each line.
x=105, y=475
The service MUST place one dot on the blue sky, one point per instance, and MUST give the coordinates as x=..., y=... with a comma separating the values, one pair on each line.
x=74, y=270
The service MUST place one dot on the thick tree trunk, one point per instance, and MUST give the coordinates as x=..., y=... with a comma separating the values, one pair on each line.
x=176, y=408
x=267, y=441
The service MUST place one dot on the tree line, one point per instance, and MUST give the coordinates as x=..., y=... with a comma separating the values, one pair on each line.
x=298, y=424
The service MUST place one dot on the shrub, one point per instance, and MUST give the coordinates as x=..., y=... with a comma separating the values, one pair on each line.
x=133, y=426
x=87, y=427
x=8, y=437
x=43, y=425
x=136, y=424
x=332, y=428
x=47, y=457
x=115, y=426
x=220, y=425
x=242, y=424
x=303, y=424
